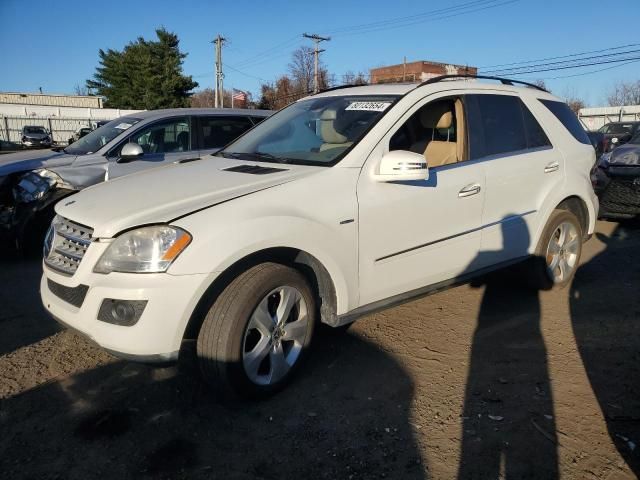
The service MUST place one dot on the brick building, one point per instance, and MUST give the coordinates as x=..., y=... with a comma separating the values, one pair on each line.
x=417, y=72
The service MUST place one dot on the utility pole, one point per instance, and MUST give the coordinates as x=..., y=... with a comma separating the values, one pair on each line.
x=219, y=90
x=316, y=51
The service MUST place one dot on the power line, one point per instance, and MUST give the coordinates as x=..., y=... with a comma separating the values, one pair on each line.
x=565, y=67
x=562, y=56
x=416, y=18
x=562, y=62
x=593, y=71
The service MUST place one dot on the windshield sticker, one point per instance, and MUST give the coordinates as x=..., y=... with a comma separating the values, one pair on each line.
x=368, y=106
x=123, y=126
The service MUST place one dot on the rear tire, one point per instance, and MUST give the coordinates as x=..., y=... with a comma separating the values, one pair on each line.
x=557, y=254
x=257, y=331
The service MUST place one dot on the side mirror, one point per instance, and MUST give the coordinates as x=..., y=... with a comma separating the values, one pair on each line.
x=130, y=152
x=402, y=166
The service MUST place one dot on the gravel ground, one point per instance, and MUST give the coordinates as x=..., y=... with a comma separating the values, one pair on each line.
x=480, y=381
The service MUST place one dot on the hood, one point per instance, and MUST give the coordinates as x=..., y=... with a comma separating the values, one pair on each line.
x=25, y=161
x=163, y=194
x=627, y=154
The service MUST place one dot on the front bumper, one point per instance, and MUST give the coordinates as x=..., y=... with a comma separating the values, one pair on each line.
x=37, y=143
x=158, y=333
x=618, y=189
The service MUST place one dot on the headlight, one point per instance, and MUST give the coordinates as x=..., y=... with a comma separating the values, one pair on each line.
x=34, y=185
x=145, y=250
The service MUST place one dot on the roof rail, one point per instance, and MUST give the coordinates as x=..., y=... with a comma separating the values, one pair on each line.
x=504, y=81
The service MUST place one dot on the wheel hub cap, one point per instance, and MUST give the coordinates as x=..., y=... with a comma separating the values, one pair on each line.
x=275, y=334
x=562, y=252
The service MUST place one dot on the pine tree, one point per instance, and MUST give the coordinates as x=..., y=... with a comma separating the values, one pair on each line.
x=145, y=75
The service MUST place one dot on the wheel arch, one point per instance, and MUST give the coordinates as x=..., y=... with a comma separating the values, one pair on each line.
x=314, y=271
x=577, y=206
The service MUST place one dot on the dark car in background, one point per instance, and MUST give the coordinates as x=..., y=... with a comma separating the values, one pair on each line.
x=35, y=136
x=617, y=133
x=79, y=133
x=616, y=180
x=32, y=182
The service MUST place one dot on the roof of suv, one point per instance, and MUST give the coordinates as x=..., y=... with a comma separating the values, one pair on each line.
x=171, y=112
x=404, y=88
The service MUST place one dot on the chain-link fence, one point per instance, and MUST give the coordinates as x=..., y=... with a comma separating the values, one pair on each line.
x=61, y=129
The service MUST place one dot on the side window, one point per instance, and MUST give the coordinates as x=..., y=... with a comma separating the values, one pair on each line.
x=536, y=138
x=169, y=136
x=502, y=124
x=257, y=120
x=434, y=122
x=568, y=119
x=219, y=130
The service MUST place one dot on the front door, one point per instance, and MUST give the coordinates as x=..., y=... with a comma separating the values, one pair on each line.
x=419, y=233
x=162, y=142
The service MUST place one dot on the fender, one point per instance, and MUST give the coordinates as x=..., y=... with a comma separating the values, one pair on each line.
x=214, y=251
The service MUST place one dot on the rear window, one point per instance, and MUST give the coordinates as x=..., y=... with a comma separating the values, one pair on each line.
x=568, y=119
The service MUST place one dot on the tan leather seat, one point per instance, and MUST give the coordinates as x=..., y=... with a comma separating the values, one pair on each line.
x=438, y=152
x=330, y=136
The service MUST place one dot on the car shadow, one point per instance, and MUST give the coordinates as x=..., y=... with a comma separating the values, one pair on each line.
x=605, y=312
x=345, y=416
x=23, y=320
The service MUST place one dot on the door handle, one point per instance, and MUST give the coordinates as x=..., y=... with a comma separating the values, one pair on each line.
x=552, y=167
x=469, y=190
x=187, y=160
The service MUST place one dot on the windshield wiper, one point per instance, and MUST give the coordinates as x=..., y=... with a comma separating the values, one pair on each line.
x=258, y=156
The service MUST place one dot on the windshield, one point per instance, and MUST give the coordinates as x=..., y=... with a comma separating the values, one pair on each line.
x=620, y=128
x=317, y=131
x=94, y=141
x=34, y=130
x=635, y=139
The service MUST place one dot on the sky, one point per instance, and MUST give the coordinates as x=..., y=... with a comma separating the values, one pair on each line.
x=54, y=45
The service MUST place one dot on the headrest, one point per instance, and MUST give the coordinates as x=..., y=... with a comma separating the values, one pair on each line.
x=437, y=115
x=327, y=129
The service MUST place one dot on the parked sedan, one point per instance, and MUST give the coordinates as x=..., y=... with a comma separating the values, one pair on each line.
x=32, y=182
x=34, y=136
x=616, y=181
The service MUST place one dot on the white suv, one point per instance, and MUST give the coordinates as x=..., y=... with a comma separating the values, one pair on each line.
x=342, y=203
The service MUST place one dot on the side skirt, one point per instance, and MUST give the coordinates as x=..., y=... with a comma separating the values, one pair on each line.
x=402, y=298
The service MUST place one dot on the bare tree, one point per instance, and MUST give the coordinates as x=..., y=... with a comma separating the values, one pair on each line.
x=203, y=99
x=80, y=90
x=301, y=68
x=625, y=93
x=540, y=83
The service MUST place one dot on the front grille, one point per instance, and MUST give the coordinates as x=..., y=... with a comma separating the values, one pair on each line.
x=622, y=194
x=73, y=295
x=66, y=244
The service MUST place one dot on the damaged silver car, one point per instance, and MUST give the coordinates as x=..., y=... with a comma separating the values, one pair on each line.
x=31, y=183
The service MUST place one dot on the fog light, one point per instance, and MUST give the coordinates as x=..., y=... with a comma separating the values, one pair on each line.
x=125, y=313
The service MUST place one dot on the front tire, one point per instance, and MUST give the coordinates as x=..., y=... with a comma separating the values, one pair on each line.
x=257, y=331
x=558, y=252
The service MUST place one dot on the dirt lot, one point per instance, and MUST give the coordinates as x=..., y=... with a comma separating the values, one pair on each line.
x=480, y=381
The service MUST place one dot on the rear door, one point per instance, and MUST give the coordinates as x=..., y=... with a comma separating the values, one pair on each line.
x=164, y=141
x=522, y=168
x=216, y=131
